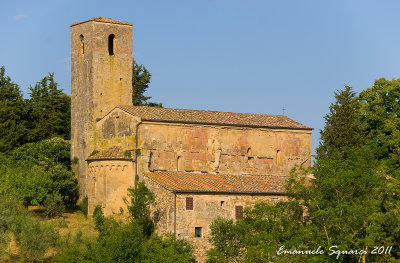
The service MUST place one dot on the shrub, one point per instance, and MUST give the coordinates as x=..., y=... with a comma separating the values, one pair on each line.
x=33, y=238
x=53, y=206
x=83, y=206
x=98, y=217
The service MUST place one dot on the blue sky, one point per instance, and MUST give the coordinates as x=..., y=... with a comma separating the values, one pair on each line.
x=239, y=56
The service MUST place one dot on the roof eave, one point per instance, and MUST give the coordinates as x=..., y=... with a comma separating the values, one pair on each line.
x=228, y=192
x=229, y=124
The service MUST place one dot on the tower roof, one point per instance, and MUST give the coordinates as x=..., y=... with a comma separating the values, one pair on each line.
x=103, y=20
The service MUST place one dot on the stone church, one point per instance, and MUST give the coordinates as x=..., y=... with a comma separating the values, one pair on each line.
x=200, y=164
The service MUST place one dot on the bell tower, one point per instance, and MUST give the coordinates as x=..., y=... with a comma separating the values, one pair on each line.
x=101, y=78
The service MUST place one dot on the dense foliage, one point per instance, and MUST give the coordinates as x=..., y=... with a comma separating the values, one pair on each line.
x=35, y=171
x=13, y=114
x=352, y=202
x=33, y=238
x=49, y=111
x=129, y=241
x=45, y=114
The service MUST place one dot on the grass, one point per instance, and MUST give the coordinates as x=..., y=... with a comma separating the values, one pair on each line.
x=71, y=225
x=74, y=221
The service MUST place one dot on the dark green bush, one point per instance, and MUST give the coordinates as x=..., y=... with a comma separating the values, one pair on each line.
x=83, y=206
x=53, y=206
x=98, y=217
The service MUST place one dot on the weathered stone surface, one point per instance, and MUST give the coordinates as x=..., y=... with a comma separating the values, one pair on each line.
x=108, y=182
x=224, y=149
x=206, y=209
x=99, y=81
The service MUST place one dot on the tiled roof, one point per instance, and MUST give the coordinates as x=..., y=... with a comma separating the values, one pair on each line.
x=204, y=182
x=103, y=20
x=212, y=117
x=114, y=152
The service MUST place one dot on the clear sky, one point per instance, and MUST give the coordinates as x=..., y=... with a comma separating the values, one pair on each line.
x=226, y=55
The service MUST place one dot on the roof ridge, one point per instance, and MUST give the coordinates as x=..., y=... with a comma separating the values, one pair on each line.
x=144, y=106
x=103, y=20
x=224, y=118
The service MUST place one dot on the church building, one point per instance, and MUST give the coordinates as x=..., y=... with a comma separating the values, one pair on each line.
x=200, y=164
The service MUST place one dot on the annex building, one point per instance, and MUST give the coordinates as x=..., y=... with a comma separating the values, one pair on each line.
x=199, y=164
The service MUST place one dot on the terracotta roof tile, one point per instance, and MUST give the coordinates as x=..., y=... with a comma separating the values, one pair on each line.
x=103, y=20
x=212, y=117
x=114, y=152
x=203, y=182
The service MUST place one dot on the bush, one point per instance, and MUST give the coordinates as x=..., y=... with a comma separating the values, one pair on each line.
x=33, y=238
x=83, y=206
x=131, y=241
x=53, y=206
x=98, y=217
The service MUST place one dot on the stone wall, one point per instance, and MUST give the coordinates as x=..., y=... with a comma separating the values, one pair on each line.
x=108, y=184
x=232, y=150
x=206, y=208
x=163, y=210
x=99, y=81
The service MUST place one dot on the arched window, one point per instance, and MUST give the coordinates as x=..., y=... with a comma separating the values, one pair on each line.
x=82, y=44
x=111, y=44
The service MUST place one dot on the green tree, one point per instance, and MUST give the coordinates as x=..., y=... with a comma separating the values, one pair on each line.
x=49, y=111
x=343, y=124
x=38, y=169
x=140, y=83
x=140, y=200
x=380, y=106
x=12, y=114
x=258, y=236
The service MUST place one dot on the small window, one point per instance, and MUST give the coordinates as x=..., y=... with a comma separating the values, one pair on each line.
x=222, y=203
x=111, y=44
x=198, y=232
x=189, y=203
x=238, y=212
x=82, y=44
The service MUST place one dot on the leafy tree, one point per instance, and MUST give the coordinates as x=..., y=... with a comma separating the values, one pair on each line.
x=49, y=111
x=141, y=198
x=140, y=83
x=36, y=170
x=12, y=114
x=380, y=107
x=257, y=236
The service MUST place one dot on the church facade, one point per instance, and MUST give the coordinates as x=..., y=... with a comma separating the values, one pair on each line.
x=200, y=164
